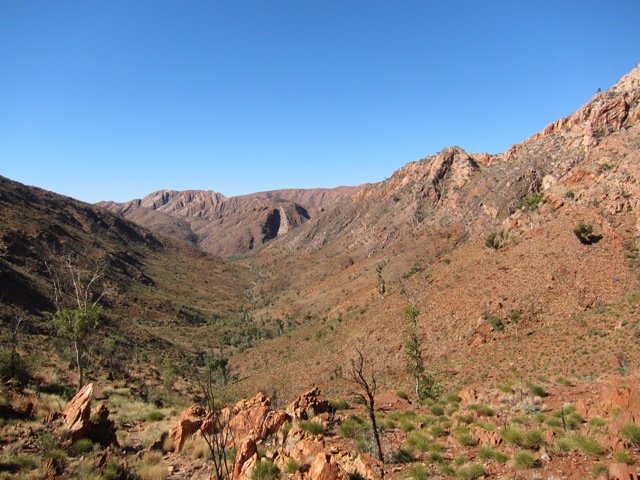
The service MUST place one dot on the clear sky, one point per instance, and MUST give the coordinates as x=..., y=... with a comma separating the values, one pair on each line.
x=114, y=99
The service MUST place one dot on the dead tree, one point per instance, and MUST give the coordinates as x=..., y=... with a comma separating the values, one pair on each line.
x=215, y=429
x=368, y=384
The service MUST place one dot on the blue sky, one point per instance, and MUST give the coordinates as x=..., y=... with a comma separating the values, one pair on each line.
x=115, y=99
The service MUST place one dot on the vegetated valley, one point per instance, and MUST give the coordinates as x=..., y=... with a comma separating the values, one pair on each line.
x=471, y=316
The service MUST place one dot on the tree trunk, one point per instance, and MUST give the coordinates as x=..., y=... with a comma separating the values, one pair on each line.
x=80, y=372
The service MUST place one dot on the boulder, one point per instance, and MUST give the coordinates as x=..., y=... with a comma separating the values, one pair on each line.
x=368, y=467
x=468, y=395
x=78, y=413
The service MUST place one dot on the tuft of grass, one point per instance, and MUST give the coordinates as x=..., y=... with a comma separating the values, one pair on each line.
x=407, y=425
x=153, y=472
x=623, y=456
x=437, y=409
x=470, y=472
x=291, y=467
x=418, y=472
x=402, y=394
x=631, y=433
x=82, y=446
x=598, y=469
x=314, y=428
x=588, y=446
x=524, y=459
x=486, y=453
x=155, y=416
x=419, y=440
x=482, y=410
x=265, y=470
x=403, y=455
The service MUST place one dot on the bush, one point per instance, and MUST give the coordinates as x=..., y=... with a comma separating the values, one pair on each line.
x=622, y=456
x=402, y=394
x=403, y=455
x=530, y=202
x=155, y=416
x=419, y=440
x=496, y=240
x=524, y=459
x=496, y=323
x=482, y=410
x=584, y=232
x=265, y=470
x=314, y=428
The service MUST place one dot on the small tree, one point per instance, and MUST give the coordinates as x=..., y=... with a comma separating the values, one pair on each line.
x=369, y=386
x=381, y=283
x=77, y=289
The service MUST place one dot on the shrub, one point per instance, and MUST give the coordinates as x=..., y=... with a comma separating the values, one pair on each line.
x=536, y=390
x=495, y=240
x=406, y=425
x=155, y=416
x=438, y=431
x=265, y=470
x=496, y=323
x=314, y=428
x=530, y=202
x=286, y=428
x=631, y=432
x=437, y=409
x=584, y=232
x=402, y=394
x=466, y=440
x=524, y=459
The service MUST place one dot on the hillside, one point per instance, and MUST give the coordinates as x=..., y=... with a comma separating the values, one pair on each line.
x=430, y=221
x=227, y=226
x=166, y=298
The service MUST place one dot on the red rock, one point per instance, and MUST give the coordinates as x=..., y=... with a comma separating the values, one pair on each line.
x=468, y=395
x=622, y=471
x=368, y=467
x=188, y=423
x=324, y=467
x=246, y=458
x=78, y=413
x=308, y=405
x=306, y=450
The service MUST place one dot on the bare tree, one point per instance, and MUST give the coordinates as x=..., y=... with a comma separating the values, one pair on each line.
x=368, y=384
x=78, y=287
x=215, y=429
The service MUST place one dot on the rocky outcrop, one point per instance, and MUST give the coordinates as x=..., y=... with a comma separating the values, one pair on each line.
x=77, y=415
x=309, y=405
x=255, y=417
x=189, y=422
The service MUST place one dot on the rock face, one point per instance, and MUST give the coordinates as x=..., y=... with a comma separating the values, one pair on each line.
x=78, y=413
x=255, y=417
x=308, y=405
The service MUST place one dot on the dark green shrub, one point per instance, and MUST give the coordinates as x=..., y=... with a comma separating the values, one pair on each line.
x=496, y=323
x=155, y=416
x=530, y=202
x=82, y=446
x=584, y=232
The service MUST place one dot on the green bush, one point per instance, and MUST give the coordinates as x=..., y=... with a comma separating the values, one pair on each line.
x=622, y=456
x=496, y=323
x=403, y=455
x=314, y=428
x=265, y=470
x=530, y=202
x=584, y=232
x=291, y=466
x=155, y=416
x=419, y=440
x=482, y=410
